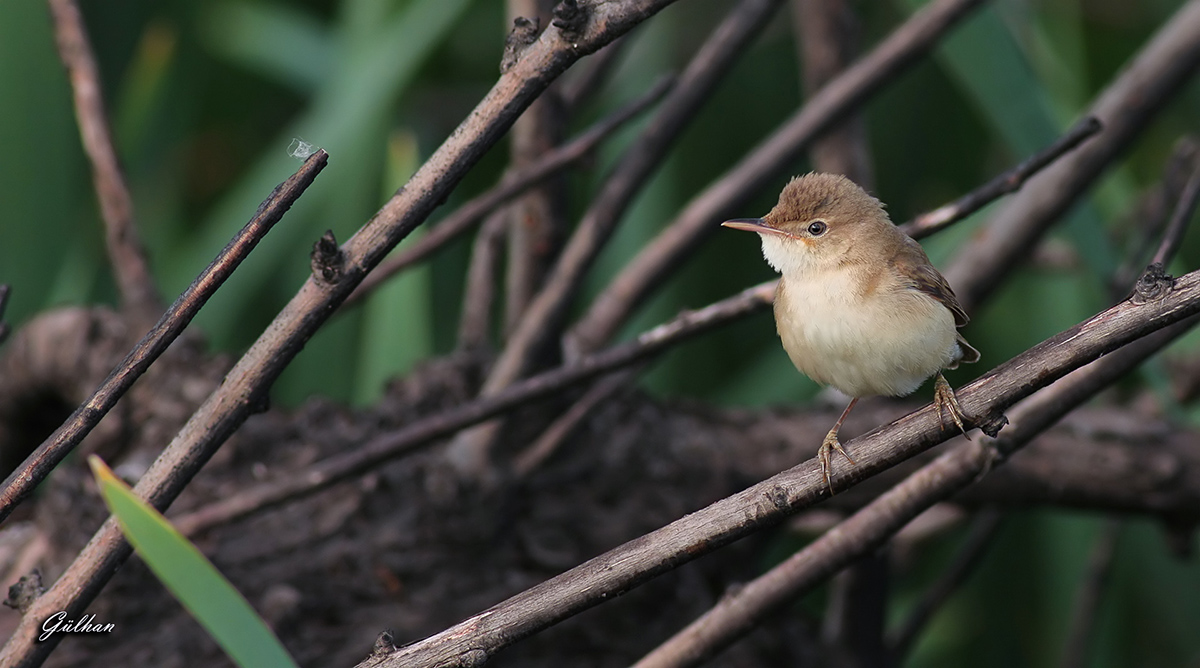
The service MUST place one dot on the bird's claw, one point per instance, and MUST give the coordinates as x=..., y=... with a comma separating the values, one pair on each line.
x=825, y=454
x=946, y=402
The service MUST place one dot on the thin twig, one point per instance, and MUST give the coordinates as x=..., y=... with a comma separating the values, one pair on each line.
x=576, y=91
x=538, y=218
x=479, y=294
x=1149, y=216
x=542, y=320
x=424, y=431
x=1008, y=182
x=770, y=501
x=826, y=35
x=979, y=537
x=511, y=185
x=247, y=383
x=553, y=436
x=776, y=154
x=1180, y=218
x=21, y=482
x=875, y=522
x=856, y=611
x=126, y=255
x=5, y=291
x=1125, y=107
x=1081, y=634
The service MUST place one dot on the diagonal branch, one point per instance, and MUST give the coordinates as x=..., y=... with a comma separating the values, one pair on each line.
x=1008, y=182
x=978, y=539
x=125, y=252
x=770, y=501
x=1180, y=217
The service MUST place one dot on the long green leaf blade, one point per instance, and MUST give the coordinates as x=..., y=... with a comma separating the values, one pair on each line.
x=191, y=577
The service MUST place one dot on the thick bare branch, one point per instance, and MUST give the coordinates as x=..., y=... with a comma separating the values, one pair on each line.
x=773, y=156
x=245, y=386
x=126, y=255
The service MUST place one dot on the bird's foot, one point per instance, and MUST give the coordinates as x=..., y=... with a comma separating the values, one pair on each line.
x=825, y=454
x=946, y=402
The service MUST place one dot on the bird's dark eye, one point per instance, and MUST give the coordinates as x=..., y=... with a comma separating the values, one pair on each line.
x=817, y=228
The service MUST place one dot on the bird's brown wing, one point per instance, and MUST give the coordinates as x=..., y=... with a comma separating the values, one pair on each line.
x=914, y=265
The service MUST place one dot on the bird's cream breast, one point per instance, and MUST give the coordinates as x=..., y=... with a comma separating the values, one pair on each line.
x=839, y=329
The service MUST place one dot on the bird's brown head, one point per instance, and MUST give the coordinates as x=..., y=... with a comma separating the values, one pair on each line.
x=821, y=219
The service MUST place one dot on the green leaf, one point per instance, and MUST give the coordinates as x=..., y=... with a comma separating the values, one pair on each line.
x=191, y=578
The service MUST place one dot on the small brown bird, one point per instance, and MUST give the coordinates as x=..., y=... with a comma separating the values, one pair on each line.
x=859, y=306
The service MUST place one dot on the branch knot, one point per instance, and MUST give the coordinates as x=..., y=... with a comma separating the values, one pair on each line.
x=524, y=32
x=1152, y=285
x=27, y=590
x=570, y=18
x=328, y=260
x=385, y=643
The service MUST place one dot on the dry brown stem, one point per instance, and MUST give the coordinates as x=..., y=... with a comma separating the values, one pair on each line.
x=126, y=255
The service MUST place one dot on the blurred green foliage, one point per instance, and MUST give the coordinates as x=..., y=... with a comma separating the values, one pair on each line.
x=206, y=96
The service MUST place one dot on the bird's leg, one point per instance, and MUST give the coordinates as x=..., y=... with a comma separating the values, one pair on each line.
x=831, y=443
x=947, y=402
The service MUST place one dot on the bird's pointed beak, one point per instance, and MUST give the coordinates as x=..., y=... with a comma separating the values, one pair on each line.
x=748, y=224
x=752, y=225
